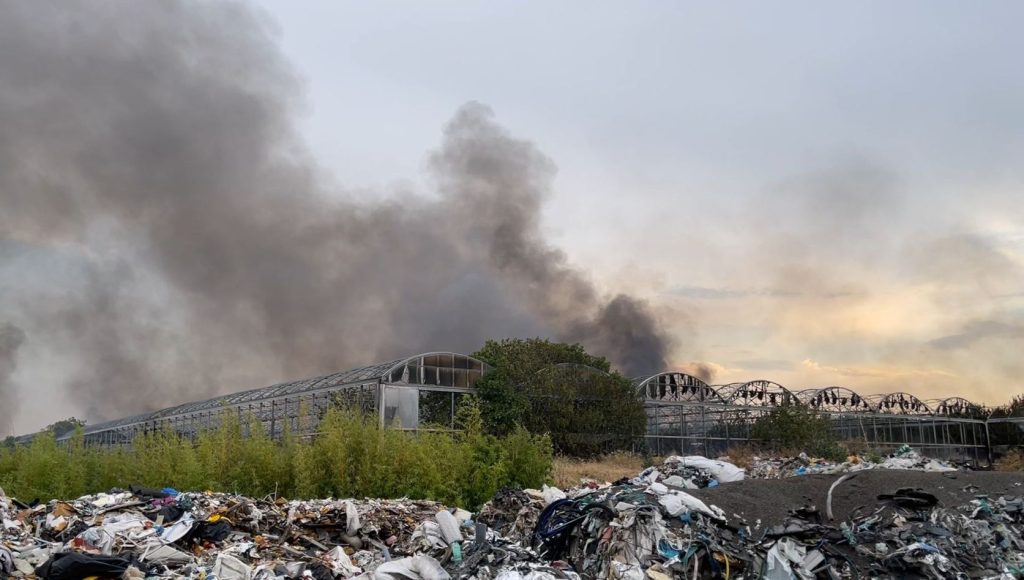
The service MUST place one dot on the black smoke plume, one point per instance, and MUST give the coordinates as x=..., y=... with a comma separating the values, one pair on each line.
x=157, y=142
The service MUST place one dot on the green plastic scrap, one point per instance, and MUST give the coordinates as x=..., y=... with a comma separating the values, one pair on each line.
x=848, y=534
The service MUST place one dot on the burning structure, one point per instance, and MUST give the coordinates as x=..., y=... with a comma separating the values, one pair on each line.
x=684, y=414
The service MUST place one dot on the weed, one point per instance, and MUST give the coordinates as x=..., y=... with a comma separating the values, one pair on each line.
x=1012, y=460
x=351, y=457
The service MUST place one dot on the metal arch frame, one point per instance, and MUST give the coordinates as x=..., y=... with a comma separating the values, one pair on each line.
x=906, y=403
x=572, y=366
x=690, y=385
x=731, y=406
x=885, y=420
x=579, y=370
x=958, y=407
x=835, y=399
x=766, y=394
x=484, y=367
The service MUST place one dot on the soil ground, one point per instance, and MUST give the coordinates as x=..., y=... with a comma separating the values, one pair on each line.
x=771, y=500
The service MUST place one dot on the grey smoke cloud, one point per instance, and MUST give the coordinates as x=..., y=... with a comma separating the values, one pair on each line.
x=11, y=339
x=159, y=140
x=703, y=371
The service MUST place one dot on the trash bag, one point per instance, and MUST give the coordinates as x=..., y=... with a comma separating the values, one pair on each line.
x=208, y=532
x=77, y=566
x=171, y=514
x=147, y=492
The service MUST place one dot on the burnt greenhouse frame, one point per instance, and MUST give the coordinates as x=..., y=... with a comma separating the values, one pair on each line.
x=415, y=392
x=684, y=414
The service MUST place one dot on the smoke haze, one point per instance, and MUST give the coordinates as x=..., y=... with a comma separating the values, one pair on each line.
x=849, y=215
x=155, y=144
x=11, y=339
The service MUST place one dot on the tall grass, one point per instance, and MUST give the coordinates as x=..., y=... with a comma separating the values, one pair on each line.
x=568, y=471
x=350, y=457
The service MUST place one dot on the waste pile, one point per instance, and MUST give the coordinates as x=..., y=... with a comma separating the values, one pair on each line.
x=692, y=472
x=646, y=529
x=140, y=532
x=903, y=458
x=651, y=526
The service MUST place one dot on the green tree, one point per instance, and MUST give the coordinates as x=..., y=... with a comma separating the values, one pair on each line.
x=64, y=426
x=794, y=427
x=559, y=389
x=1007, y=434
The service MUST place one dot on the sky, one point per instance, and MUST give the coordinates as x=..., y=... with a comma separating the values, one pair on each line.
x=815, y=194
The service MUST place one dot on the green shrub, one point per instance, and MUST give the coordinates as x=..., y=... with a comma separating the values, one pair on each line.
x=794, y=427
x=561, y=390
x=527, y=458
x=352, y=456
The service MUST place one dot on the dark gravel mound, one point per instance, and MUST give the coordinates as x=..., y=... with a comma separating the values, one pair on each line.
x=771, y=500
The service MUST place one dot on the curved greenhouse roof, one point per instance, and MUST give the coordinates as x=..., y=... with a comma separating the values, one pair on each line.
x=678, y=387
x=448, y=371
x=675, y=386
x=432, y=369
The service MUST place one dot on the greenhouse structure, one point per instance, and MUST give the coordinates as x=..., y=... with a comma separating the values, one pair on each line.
x=406, y=393
x=684, y=414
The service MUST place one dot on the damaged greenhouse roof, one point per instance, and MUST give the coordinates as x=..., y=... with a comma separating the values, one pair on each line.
x=673, y=386
x=434, y=369
x=457, y=372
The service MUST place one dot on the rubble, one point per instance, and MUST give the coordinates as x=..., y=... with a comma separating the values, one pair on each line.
x=663, y=523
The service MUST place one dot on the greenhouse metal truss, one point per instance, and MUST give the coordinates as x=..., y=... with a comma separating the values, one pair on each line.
x=684, y=414
x=406, y=393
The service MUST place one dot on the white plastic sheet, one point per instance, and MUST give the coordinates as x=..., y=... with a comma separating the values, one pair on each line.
x=178, y=530
x=657, y=489
x=552, y=494
x=228, y=567
x=677, y=503
x=723, y=471
x=351, y=518
x=418, y=567
x=449, y=527
x=159, y=553
x=341, y=564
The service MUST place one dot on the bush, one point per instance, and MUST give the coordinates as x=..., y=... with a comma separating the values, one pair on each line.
x=560, y=390
x=351, y=457
x=794, y=427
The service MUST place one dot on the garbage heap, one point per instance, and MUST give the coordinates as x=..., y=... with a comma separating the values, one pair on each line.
x=904, y=458
x=139, y=533
x=639, y=530
x=647, y=526
x=692, y=472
